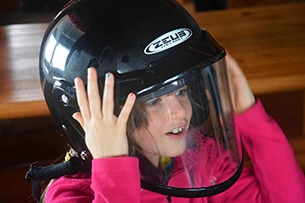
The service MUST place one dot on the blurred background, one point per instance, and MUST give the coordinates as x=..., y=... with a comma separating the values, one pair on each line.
x=24, y=141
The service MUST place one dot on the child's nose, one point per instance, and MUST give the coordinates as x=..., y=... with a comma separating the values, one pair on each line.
x=175, y=107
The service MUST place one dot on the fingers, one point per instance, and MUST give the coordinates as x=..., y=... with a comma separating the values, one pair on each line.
x=79, y=118
x=126, y=110
x=242, y=95
x=90, y=102
x=108, y=98
x=94, y=98
x=105, y=133
x=82, y=99
x=234, y=69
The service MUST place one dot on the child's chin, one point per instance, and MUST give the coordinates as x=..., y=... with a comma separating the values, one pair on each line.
x=177, y=149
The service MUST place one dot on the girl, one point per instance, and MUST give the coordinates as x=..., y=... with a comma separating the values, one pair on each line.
x=115, y=175
x=154, y=110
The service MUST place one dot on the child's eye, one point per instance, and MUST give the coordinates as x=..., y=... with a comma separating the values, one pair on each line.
x=153, y=102
x=181, y=92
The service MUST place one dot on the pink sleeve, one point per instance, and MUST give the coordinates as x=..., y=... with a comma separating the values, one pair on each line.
x=116, y=179
x=113, y=180
x=276, y=176
x=72, y=189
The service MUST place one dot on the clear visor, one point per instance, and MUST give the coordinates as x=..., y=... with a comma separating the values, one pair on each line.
x=184, y=135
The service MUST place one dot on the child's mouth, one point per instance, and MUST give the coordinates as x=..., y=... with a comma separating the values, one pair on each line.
x=179, y=133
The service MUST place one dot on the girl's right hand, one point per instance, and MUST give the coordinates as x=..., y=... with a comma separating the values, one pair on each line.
x=242, y=95
x=105, y=133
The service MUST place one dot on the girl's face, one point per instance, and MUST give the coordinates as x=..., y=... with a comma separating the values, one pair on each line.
x=168, y=118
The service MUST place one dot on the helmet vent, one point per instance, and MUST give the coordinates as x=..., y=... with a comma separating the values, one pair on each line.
x=93, y=63
x=107, y=55
x=125, y=59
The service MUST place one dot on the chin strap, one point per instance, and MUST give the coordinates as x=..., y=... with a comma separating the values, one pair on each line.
x=36, y=174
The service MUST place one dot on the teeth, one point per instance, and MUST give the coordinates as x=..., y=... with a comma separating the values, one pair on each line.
x=177, y=130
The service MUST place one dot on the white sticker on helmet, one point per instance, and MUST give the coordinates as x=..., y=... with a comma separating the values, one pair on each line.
x=168, y=40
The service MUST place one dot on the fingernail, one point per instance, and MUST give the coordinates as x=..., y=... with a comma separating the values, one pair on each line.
x=132, y=96
x=76, y=80
x=107, y=75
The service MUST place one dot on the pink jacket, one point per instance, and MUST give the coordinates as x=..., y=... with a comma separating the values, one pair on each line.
x=275, y=176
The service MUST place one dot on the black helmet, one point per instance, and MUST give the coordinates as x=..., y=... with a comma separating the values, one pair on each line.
x=146, y=44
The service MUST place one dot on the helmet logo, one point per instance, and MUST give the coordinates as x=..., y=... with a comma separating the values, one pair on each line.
x=168, y=40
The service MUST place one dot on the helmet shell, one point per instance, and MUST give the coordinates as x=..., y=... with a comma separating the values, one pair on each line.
x=143, y=42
